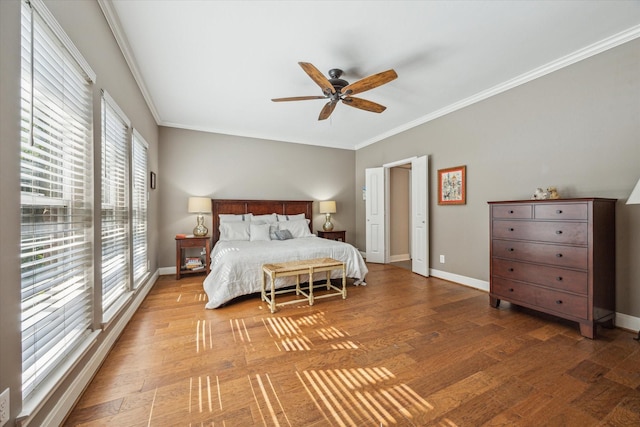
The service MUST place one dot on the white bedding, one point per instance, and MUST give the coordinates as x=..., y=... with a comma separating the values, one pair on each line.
x=236, y=266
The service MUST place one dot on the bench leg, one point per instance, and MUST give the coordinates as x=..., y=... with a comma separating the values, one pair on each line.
x=344, y=282
x=273, y=292
x=310, y=285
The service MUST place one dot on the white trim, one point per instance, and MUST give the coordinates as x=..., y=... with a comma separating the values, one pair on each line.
x=114, y=105
x=399, y=162
x=584, y=53
x=624, y=321
x=166, y=271
x=50, y=20
x=116, y=28
x=43, y=392
x=398, y=258
x=482, y=285
x=67, y=401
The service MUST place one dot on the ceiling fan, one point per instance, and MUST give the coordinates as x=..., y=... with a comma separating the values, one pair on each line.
x=335, y=89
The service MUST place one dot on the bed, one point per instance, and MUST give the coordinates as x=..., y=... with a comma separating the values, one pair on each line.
x=246, y=234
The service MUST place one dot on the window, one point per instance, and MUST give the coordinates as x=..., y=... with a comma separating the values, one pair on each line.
x=139, y=208
x=56, y=199
x=115, y=206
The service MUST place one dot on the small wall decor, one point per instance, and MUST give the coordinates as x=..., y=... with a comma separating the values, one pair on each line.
x=152, y=181
x=452, y=186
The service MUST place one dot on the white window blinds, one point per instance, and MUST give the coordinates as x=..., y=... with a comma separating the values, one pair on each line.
x=115, y=203
x=56, y=194
x=139, y=208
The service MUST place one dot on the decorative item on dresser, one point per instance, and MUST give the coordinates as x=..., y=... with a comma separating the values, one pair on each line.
x=555, y=256
x=634, y=199
x=328, y=208
x=339, y=235
x=200, y=205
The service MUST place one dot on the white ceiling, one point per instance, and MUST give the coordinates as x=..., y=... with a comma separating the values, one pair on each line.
x=215, y=65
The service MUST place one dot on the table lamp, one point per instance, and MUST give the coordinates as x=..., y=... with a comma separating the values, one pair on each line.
x=200, y=205
x=328, y=207
x=634, y=199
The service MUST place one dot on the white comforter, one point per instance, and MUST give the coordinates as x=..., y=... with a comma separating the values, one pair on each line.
x=236, y=266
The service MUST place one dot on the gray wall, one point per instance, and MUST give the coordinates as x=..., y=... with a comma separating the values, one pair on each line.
x=85, y=24
x=577, y=128
x=219, y=166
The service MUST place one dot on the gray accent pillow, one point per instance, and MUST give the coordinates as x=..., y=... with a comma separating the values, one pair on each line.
x=284, y=235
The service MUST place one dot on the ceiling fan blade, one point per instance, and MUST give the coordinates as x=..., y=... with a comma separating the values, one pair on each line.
x=363, y=104
x=298, y=98
x=327, y=110
x=317, y=77
x=370, y=82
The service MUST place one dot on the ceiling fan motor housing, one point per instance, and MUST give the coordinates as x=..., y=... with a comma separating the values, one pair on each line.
x=336, y=81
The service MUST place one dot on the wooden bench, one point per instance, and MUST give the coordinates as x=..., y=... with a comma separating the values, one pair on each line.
x=296, y=268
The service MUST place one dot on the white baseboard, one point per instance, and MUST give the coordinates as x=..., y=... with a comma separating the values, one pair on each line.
x=398, y=258
x=623, y=321
x=71, y=395
x=166, y=271
x=463, y=280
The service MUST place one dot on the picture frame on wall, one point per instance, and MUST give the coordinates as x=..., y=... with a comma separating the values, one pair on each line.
x=152, y=180
x=452, y=186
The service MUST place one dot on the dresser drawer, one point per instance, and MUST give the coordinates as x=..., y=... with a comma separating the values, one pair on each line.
x=561, y=303
x=557, y=255
x=513, y=291
x=569, y=211
x=557, y=278
x=512, y=211
x=554, y=232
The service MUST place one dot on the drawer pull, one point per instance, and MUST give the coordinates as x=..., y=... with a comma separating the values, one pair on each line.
x=510, y=289
x=559, y=301
x=559, y=232
x=511, y=229
x=511, y=269
x=559, y=211
x=559, y=278
x=511, y=212
x=558, y=255
x=511, y=249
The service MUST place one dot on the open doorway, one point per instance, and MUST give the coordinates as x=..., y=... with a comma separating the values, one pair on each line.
x=378, y=208
x=400, y=216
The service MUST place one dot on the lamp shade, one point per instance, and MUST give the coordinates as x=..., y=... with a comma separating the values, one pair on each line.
x=328, y=207
x=199, y=205
x=634, y=198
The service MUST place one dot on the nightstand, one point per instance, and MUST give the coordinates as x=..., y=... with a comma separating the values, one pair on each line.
x=199, y=265
x=340, y=236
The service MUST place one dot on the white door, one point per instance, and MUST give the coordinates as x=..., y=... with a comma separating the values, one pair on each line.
x=419, y=216
x=374, y=209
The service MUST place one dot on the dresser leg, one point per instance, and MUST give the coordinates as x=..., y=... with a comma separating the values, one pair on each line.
x=588, y=330
x=494, y=302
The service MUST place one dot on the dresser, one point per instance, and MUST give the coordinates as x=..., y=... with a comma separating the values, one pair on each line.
x=555, y=256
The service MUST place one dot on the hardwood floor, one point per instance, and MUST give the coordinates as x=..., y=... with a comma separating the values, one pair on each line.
x=403, y=350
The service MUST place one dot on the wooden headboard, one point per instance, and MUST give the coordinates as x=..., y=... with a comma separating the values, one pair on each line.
x=258, y=207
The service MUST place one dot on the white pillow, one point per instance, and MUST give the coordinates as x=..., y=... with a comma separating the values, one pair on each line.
x=234, y=231
x=234, y=218
x=266, y=219
x=259, y=232
x=290, y=217
x=272, y=231
x=298, y=228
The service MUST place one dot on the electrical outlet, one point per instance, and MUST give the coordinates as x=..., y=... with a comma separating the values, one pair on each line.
x=4, y=407
x=441, y=259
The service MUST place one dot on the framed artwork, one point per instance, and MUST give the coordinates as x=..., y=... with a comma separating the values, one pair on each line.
x=452, y=186
x=152, y=181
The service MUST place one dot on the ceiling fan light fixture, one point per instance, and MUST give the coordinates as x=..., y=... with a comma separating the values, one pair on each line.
x=337, y=89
